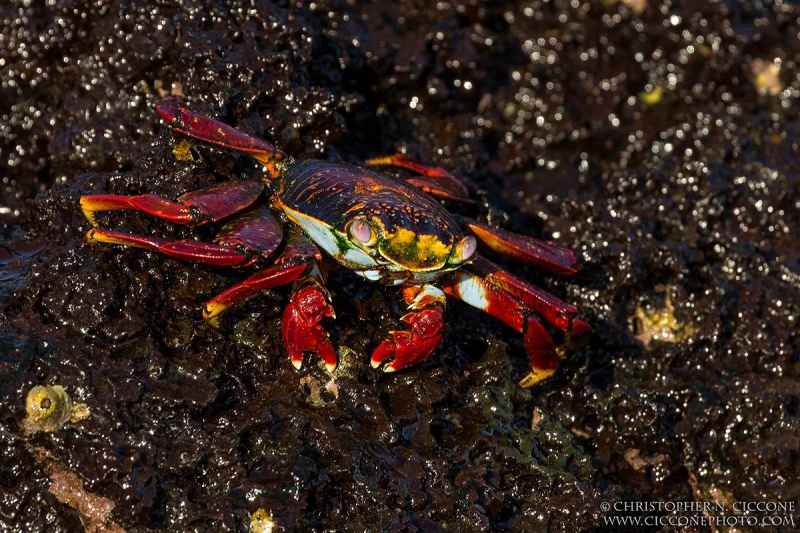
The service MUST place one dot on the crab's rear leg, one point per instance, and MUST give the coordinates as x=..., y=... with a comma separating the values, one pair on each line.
x=435, y=181
x=194, y=208
x=200, y=252
x=426, y=318
x=207, y=129
x=495, y=301
x=240, y=242
x=543, y=254
x=560, y=314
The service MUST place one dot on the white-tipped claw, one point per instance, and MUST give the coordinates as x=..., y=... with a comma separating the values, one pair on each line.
x=298, y=363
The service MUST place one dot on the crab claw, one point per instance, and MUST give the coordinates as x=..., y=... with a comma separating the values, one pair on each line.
x=301, y=329
x=411, y=347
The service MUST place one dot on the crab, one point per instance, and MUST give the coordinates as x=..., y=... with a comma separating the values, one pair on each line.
x=299, y=215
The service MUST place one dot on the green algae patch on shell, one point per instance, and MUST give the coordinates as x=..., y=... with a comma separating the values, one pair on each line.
x=47, y=409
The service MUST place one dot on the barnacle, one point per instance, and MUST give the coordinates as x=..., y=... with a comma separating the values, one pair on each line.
x=660, y=324
x=48, y=408
x=261, y=522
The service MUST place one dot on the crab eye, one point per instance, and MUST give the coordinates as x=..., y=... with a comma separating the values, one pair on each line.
x=361, y=231
x=465, y=249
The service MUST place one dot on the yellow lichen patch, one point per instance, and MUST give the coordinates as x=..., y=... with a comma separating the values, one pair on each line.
x=454, y=419
x=261, y=522
x=182, y=151
x=637, y=6
x=652, y=97
x=47, y=409
x=417, y=253
x=766, y=77
x=80, y=411
x=659, y=324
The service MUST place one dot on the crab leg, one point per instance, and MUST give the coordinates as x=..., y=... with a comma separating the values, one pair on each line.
x=486, y=296
x=562, y=315
x=240, y=242
x=545, y=255
x=201, y=252
x=194, y=208
x=256, y=230
x=435, y=181
x=426, y=319
x=296, y=258
x=206, y=129
x=285, y=271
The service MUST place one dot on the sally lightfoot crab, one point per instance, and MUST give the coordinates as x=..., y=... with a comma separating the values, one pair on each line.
x=385, y=229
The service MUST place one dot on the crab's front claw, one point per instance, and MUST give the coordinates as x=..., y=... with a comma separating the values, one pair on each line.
x=301, y=329
x=411, y=347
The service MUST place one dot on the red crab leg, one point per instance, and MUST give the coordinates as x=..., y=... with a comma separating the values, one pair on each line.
x=240, y=242
x=285, y=272
x=435, y=181
x=562, y=315
x=256, y=230
x=207, y=129
x=486, y=296
x=201, y=252
x=194, y=208
x=545, y=255
x=426, y=319
x=287, y=267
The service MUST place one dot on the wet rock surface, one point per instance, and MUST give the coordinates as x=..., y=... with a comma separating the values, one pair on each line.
x=657, y=139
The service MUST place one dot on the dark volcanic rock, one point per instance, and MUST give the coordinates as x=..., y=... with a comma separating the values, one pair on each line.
x=657, y=139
